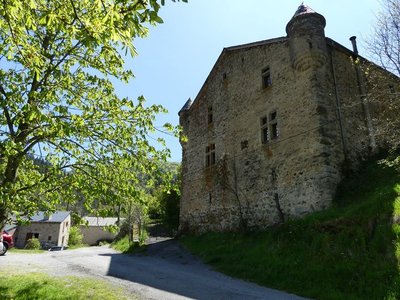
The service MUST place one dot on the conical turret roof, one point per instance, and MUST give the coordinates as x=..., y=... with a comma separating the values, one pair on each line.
x=303, y=9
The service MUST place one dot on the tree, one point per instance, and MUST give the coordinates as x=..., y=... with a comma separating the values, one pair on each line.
x=75, y=236
x=383, y=91
x=58, y=103
x=384, y=44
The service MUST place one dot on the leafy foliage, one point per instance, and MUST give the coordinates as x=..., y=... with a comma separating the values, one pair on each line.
x=169, y=203
x=32, y=244
x=75, y=236
x=58, y=104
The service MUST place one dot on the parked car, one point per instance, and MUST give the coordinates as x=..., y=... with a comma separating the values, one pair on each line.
x=8, y=242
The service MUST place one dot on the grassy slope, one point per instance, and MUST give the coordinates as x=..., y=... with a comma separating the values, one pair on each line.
x=351, y=251
x=42, y=286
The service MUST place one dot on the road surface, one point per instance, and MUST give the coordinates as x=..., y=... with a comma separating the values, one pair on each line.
x=164, y=271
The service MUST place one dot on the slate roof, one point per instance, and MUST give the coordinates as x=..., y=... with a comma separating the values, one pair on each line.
x=57, y=217
x=100, y=222
x=303, y=9
x=9, y=227
x=186, y=107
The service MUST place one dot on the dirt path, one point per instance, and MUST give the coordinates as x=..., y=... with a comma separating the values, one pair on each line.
x=164, y=271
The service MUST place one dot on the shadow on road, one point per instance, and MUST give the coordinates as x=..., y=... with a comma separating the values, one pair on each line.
x=168, y=267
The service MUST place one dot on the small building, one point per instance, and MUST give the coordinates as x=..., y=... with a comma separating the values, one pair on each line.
x=96, y=229
x=51, y=230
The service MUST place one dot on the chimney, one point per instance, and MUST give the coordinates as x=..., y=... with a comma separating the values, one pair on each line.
x=354, y=43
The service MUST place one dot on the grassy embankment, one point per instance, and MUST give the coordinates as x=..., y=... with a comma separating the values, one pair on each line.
x=42, y=286
x=351, y=251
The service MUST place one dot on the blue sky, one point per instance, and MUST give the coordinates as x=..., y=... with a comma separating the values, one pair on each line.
x=177, y=56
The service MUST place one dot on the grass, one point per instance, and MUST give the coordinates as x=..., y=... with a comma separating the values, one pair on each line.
x=72, y=247
x=26, y=251
x=124, y=246
x=41, y=286
x=351, y=251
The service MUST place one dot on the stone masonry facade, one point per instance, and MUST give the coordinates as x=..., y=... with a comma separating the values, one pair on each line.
x=272, y=130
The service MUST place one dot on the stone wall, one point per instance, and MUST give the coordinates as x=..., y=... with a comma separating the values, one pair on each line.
x=323, y=127
x=48, y=232
x=255, y=183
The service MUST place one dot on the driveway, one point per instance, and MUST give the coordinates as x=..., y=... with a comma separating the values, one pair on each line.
x=164, y=271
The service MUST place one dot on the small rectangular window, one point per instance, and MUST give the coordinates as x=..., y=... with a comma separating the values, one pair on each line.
x=210, y=155
x=274, y=131
x=273, y=125
x=210, y=115
x=272, y=116
x=266, y=77
x=264, y=130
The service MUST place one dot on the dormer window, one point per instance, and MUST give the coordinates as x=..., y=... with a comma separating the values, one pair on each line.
x=266, y=77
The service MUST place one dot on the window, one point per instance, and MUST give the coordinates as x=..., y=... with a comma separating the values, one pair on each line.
x=36, y=235
x=49, y=238
x=210, y=155
x=266, y=78
x=264, y=130
x=269, y=127
x=273, y=125
x=210, y=115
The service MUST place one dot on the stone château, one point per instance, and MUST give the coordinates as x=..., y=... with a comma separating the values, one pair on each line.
x=273, y=128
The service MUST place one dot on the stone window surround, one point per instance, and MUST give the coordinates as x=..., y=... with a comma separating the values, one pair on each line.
x=269, y=127
x=266, y=77
x=210, y=155
x=210, y=115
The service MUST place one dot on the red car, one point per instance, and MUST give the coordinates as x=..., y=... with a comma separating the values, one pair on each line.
x=8, y=242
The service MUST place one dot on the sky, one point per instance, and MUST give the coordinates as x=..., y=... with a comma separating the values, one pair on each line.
x=177, y=56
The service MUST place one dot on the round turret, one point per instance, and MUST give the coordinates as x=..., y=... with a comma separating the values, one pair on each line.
x=307, y=39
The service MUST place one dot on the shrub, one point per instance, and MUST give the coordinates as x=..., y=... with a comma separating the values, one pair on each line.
x=75, y=236
x=32, y=244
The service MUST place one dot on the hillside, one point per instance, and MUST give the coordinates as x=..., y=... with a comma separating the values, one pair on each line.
x=351, y=251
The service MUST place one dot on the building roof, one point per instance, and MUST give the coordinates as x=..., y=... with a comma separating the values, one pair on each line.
x=256, y=44
x=9, y=227
x=301, y=12
x=303, y=9
x=186, y=107
x=99, y=221
x=57, y=217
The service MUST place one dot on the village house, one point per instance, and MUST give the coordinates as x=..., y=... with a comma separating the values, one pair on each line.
x=51, y=230
x=96, y=229
x=273, y=129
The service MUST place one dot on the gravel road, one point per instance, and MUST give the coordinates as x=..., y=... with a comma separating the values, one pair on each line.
x=164, y=271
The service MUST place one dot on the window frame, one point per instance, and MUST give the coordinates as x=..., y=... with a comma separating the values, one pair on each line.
x=210, y=158
x=266, y=79
x=269, y=128
x=210, y=115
